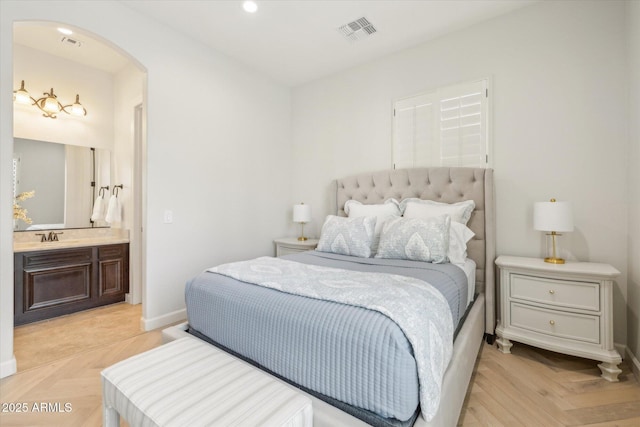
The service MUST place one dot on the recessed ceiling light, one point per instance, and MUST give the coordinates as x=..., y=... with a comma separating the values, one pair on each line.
x=65, y=31
x=250, y=6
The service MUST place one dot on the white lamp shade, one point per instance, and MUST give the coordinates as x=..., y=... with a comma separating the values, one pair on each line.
x=22, y=97
x=77, y=109
x=50, y=105
x=301, y=213
x=552, y=216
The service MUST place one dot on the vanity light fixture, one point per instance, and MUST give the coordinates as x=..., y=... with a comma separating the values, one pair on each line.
x=49, y=104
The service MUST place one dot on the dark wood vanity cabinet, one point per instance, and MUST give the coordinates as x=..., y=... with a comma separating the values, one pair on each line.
x=55, y=282
x=113, y=271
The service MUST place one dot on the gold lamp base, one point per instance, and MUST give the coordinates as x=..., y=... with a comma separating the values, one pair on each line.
x=302, y=238
x=552, y=259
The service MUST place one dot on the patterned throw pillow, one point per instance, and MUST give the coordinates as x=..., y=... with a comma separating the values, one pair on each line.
x=416, y=239
x=347, y=236
x=383, y=212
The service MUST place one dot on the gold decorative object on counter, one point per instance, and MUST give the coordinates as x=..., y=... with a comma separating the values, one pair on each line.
x=18, y=211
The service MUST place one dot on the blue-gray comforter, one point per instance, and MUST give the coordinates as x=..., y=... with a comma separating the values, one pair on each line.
x=351, y=354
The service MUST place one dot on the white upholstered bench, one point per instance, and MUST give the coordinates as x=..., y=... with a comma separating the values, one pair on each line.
x=188, y=382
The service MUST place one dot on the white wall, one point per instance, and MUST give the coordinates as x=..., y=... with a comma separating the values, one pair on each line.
x=129, y=84
x=219, y=160
x=633, y=307
x=41, y=72
x=559, y=123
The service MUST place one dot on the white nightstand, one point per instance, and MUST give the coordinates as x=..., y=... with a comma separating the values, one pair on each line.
x=291, y=245
x=559, y=307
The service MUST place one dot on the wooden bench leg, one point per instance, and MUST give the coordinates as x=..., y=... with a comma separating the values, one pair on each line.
x=110, y=417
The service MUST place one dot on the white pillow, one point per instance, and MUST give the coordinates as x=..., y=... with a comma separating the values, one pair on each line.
x=347, y=236
x=418, y=208
x=383, y=212
x=416, y=239
x=459, y=236
x=356, y=208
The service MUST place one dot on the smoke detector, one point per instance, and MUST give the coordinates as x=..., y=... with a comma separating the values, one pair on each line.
x=68, y=41
x=358, y=29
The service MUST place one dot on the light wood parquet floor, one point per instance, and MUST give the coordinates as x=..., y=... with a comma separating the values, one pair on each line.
x=530, y=387
x=534, y=387
x=36, y=344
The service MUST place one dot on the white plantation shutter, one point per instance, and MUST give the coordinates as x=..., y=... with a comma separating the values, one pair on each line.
x=447, y=127
x=413, y=131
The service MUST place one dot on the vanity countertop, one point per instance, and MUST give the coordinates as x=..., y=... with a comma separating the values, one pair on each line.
x=28, y=241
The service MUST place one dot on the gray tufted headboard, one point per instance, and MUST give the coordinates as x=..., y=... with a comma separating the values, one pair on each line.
x=448, y=185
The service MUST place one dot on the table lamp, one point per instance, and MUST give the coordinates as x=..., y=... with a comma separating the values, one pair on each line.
x=553, y=217
x=302, y=215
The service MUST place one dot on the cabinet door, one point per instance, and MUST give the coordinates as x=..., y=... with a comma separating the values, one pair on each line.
x=113, y=270
x=52, y=283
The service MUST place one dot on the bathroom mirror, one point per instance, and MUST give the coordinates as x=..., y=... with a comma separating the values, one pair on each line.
x=61, y=176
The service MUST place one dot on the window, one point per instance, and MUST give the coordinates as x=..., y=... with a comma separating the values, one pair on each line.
x=446, y=127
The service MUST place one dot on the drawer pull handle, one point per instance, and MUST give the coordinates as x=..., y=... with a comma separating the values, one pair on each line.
x=552, y=322
x=551, y=291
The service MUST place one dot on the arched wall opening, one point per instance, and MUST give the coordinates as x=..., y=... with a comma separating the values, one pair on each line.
x=112, y=87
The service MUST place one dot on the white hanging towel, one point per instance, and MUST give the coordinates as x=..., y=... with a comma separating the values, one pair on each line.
x=98, y=209
x=114, y=213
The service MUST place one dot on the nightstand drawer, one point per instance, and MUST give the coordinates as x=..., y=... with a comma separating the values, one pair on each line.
x=291, y=245
x=287, y=250
x=571, y=326
x=562, y=293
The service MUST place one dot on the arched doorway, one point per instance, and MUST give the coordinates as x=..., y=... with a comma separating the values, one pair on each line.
x=112, y=87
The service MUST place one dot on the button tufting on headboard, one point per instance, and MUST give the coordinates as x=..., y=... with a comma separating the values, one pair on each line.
x=441, y=184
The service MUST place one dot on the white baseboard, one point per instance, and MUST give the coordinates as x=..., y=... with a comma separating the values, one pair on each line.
x=621, y=348
x=164, y=320
x=634, y=362
x=9, y=367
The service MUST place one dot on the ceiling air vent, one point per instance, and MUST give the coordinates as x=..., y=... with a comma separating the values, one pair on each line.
x=358, y=29
x=67, y=41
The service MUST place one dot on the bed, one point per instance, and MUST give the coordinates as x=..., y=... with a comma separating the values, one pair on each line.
x=309, y=336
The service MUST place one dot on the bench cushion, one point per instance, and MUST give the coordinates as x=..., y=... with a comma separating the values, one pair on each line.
x=190, y=382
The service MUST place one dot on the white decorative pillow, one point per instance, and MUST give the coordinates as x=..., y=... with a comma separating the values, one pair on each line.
x=347, y=236
x=459, y=235
x=416, y=239
x=383, y=212
x=418, y=208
